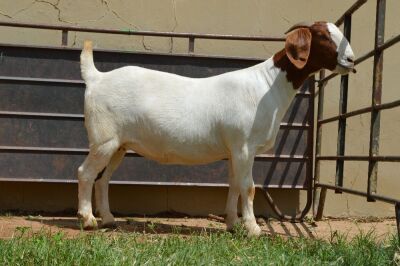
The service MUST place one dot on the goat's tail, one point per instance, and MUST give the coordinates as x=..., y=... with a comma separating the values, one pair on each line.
x=88, y=69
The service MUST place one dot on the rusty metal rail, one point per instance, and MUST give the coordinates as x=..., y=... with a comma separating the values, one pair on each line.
x=190, y=36
x=375, y=109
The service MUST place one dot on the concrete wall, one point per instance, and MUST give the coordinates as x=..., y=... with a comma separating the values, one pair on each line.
x=247, y=17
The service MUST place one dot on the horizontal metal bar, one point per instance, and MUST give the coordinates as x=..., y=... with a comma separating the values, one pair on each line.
x=284, y=125
x=282, y=157
x=358, y=193
x=381, y=158
x=40, y=80
x=48, y=150
x=388, y=105
x=74, y=81
x=80, y=117
x=143, y=33
x=13, y=114
x=382, y=47
x=142, y=183
x=345, y=115
x=52, y=150
x=65, y=48
x=364, y=110
x=350, y=11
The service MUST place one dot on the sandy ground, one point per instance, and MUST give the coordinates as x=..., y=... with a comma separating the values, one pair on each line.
x=184, y=226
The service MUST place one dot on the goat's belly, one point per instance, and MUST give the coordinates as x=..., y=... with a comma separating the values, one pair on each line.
x=184, y=155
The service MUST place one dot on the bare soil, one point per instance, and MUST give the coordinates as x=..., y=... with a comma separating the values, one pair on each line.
x=325, y=229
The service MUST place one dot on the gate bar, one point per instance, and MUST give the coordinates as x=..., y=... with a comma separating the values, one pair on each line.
x=364, y=110
x=341, y=139
x=80, y=117
x=376, y=99
x=350, y=11
x=397, y=210
x=84, y=151
x=377, y=158
x=318, y=196
x=359, y=193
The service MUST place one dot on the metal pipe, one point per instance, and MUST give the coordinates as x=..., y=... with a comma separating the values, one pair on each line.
x=376, y=99
x=142, y=183
x=345, y=115
x=64, y=38
x=377, y=158
x=350, y=11
x=191, y=45
x=40, y=80
x=397, y=211
x=144, y=33
x=359, y=193
x=364, y=110
x=63, y=150
x=341, y=139
x=80, y=117
x=321, y=204
x=318, y=140
x=55, y=116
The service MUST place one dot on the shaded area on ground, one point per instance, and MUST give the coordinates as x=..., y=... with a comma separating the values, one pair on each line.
x=186, y=226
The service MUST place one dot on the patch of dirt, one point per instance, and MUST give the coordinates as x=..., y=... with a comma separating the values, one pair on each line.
x=10, y=225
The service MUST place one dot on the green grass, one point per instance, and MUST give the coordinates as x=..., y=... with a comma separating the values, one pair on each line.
x=205, y=249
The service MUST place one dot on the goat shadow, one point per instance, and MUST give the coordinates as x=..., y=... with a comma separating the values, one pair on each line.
x=160, y=226
x=133, y=225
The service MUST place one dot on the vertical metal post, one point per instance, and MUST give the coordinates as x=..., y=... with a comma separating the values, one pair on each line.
x=341, y=140
x=397, y=210
x=191, y=45
x=64, y=38
x=310, y=142
x=318, y=141
x=321, y=204
x=376, y=99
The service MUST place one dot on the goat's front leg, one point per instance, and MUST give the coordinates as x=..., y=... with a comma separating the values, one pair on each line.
x=231, y=202
x=242, y=165
x=101, y=189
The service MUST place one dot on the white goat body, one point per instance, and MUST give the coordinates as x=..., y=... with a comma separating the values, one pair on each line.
x=180, y=120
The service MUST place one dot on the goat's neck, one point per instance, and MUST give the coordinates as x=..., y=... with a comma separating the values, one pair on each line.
x=276, y=89
x=282, y=79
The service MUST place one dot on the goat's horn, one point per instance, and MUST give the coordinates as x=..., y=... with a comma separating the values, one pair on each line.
x=303, y=24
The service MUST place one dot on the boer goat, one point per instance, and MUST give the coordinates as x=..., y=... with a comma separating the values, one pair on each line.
x=179, y=120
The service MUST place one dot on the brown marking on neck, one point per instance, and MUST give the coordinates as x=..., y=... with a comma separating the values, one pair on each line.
x=322, y=55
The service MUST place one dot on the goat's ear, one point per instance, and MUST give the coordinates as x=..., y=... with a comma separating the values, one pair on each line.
x=297, y=46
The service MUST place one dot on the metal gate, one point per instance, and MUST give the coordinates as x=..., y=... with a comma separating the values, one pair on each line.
x=42, y=136
x=375, y=109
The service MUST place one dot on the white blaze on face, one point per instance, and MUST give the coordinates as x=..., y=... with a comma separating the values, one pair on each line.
x=343, y=49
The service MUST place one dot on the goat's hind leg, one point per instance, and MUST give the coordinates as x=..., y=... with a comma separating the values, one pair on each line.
x=101, y=189
x=99, y=156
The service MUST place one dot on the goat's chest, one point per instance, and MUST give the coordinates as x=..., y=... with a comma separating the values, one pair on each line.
x=265, y=132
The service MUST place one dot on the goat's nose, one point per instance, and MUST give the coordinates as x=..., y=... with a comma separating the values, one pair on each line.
x=350, y=60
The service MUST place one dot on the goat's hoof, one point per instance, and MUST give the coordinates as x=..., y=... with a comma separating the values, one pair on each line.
x=254, y=231
x=109, y=225
x=87, y=223
x=232, y=223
